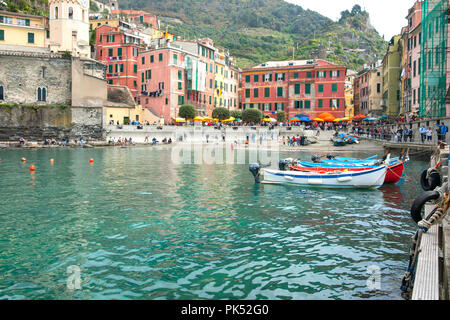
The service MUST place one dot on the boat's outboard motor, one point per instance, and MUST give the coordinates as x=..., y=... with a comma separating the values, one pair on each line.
x=283, y=164
x=330, y=156
x=315, y=158
x=255, y=169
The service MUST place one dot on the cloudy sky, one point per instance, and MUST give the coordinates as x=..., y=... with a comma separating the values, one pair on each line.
x=387, y=22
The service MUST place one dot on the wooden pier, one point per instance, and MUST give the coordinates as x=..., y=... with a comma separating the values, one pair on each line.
x=432, y=281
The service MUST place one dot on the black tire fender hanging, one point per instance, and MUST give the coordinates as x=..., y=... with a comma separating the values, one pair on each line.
x=416, y=209
x=430, y=181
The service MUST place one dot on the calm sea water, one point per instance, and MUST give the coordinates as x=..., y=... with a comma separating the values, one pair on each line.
x=140, y=227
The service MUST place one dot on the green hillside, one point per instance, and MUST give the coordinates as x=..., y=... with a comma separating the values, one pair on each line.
x=256, y=31
x=260, y=30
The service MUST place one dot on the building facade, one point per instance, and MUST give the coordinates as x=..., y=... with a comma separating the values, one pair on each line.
x=200, y=68
x=349, y=102
x=391, y=78
x=17, y=29
x=308, y=87
x=138, y=17
x=162, y=81
x=69, y=27
x=410, y=74
x=370, y=83
x=118, y=49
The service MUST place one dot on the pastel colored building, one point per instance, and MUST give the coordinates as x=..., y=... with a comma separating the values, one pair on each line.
x=391, y=78
x=122, y=109
x=232, y=82
x=411, y=45
x=162, y=81
x=119, y=50
x=17, y=29
x=138, y=17
x=94, y=23
x=356, y=95
x=349, y=104
x=200, y=77
x=69, y=27
x=219, y=80
x=371, y=90
x=308, y=87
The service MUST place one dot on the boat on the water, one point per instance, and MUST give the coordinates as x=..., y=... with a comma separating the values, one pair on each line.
x=364, y=179
x=393, y=175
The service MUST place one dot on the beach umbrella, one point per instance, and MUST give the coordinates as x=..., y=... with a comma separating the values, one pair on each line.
x=305, y=119
x=229, y=119
x=359, y=117
x=269, y=120
x=326, y=116
x=198, y=118
x=318, y=120
x=294, y=119
x=181, y=120
x=370, y=119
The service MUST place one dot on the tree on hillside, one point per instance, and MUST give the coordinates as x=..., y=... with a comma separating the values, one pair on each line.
x=221, y=114
x=187, y=111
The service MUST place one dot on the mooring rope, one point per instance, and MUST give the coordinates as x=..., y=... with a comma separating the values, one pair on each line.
x=436, y=216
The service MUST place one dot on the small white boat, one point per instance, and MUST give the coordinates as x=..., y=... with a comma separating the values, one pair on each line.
x=368, y=179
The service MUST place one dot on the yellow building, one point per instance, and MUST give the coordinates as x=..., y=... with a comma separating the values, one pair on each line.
x=219, y=82
x=23, y=30
x=121, y=108
x=161, y=34
x=126, y=114
x=349, y=103
x=95, y=23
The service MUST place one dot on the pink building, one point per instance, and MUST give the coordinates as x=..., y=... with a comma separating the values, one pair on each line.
x=201, y=74
x=138, y=17
x=161, y=80
x=411, y=72
x=118, y=49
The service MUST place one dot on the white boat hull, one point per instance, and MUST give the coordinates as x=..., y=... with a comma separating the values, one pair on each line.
x=370, y=179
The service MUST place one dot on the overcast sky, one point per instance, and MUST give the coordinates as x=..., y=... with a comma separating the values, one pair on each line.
x=387, y=16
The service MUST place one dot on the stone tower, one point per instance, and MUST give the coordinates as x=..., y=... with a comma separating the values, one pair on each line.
x=114, y=4
x=69, y=27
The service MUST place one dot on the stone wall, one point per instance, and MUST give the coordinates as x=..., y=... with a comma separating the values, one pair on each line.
x=74, y=106
x=34, y=123
x=22, y=75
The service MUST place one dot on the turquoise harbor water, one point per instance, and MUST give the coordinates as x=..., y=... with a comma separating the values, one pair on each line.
x=140, y=227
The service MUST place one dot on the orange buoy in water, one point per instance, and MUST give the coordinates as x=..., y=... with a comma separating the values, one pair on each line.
x=23, y=160
x=91, y=160
x=32, y=168
x=52, y=161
